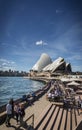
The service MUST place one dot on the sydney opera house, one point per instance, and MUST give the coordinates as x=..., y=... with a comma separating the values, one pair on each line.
x=45, y=64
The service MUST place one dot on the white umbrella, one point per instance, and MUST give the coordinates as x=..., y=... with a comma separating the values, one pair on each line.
x=71, y=89
x=73, y=83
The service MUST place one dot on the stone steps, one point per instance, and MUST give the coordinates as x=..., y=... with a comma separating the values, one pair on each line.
x=55, y=117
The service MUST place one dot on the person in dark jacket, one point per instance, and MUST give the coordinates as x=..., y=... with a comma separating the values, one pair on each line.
x=21, y=113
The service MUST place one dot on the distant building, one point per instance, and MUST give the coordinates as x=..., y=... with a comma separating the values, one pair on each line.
x=45, y=64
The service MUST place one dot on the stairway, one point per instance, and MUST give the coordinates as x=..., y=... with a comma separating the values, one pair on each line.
x=55, y=117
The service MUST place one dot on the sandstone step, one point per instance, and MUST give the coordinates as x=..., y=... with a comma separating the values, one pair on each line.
x=54, y=117
x=42, y=116
x=44, y=123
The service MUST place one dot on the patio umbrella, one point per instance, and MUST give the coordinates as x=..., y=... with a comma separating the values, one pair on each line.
x=73, y=83
x=71, y=89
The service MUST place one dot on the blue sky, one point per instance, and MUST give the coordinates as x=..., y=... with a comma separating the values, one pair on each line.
x=29, y=28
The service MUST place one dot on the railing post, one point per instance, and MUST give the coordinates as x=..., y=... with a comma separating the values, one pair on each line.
x=33, y=121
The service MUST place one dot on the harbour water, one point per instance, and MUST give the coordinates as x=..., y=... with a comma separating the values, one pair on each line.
x=15, y=87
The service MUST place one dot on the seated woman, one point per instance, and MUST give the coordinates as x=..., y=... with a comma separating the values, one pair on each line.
x=49, y=96
x=65, y=104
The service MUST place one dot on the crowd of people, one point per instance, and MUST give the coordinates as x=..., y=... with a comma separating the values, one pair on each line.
x=56, y=91
x=60, y=92
x=14, y=110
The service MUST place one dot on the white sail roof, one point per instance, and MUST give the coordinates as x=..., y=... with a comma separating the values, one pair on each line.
x=42, y=62
x=54, y=65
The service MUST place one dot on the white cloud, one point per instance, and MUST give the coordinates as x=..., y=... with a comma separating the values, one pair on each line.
x=76, y=61
x=75, y=57
x=6, y=65
x=77, y=68
x=40, y=43
x=58, y=11
x=7, y=45
x=61, y=47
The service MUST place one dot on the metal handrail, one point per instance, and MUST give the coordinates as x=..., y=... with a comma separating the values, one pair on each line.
x=32, y=116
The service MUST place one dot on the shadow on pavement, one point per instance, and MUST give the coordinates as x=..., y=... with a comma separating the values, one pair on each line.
x=79, y=126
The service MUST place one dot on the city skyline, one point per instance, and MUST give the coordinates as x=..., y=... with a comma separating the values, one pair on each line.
x=29, y=28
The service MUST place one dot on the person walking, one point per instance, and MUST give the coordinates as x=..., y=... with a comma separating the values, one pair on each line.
x=16, y=111
x=21, y=113
x=9, y=113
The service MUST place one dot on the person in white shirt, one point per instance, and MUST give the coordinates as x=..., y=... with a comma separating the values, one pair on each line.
x=9, y=113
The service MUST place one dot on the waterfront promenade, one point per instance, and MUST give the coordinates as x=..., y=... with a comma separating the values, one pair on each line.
x=36, y=108
x=68, y=121
x=46, y=115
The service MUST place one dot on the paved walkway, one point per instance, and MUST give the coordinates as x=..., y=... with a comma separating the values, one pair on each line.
x=35, y=109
